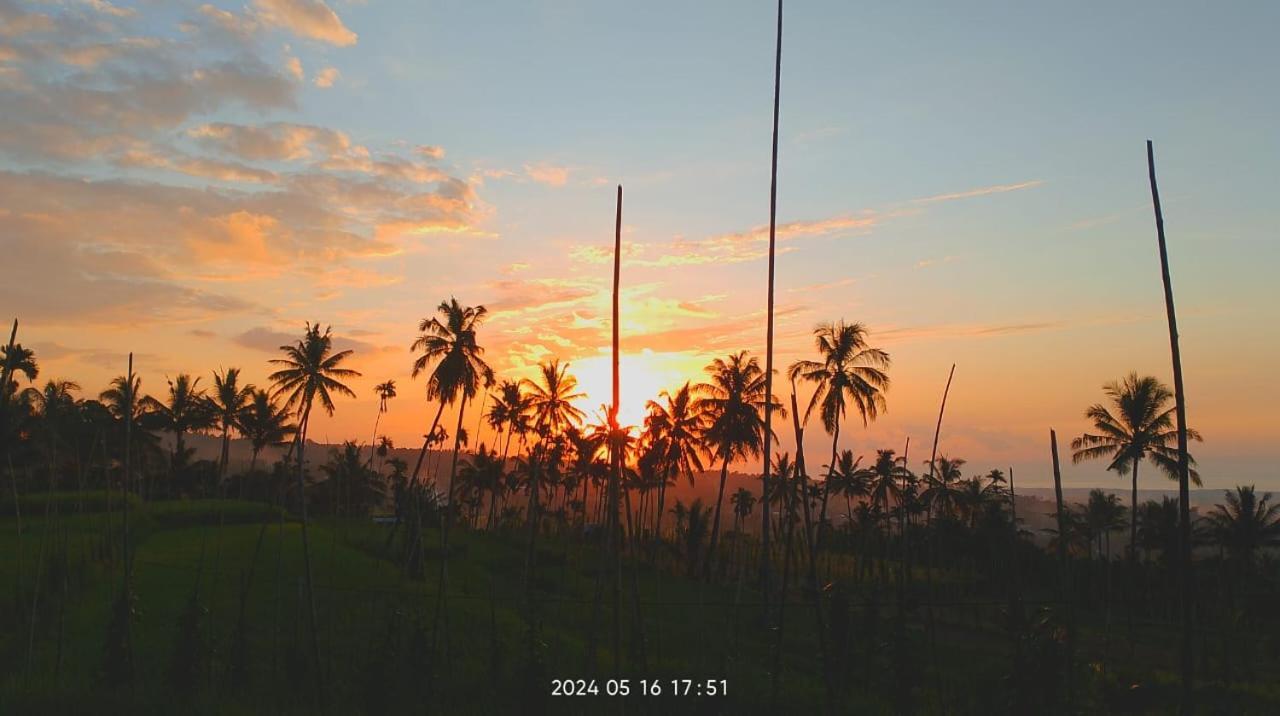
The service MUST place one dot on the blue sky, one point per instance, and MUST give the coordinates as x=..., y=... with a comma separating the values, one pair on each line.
x=969, y=181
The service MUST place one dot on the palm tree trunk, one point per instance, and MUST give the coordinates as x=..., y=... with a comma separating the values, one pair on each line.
x=715, y=523
x=530, y=559
x=1133, y=518
x=306, y=549
x=224, y=455
x=426, y=442
x=662, y=496
x=811, y=539
x=450, y=506
x=826, y=484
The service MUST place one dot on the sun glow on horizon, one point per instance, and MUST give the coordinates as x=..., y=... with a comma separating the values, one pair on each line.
x=643, y=376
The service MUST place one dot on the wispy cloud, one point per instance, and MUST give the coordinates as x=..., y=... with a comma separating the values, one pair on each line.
x=926, y=263
x=826, y=286
x=547, y=174
x=990, y=330
x=980, y=191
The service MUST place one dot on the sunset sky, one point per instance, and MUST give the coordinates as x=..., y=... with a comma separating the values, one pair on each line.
x=193, y=182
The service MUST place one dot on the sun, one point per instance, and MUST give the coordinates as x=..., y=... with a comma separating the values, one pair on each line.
x=642, y=376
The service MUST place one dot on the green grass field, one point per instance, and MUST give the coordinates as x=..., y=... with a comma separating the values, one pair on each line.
x=374, y=621
x=195, y=562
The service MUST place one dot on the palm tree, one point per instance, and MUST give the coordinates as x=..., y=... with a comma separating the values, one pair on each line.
x=17, y=360
x=850, y=372
x=14, y=359
x=849, y=481
x=586, y=465
x=460, y=372
x=974, y=496
x=509, y=413
x=264, y=423
x=551, y=400
x=1142, y=428
x=185, y=410
x=1246, y=524
x=350, y=481
x=553, y=412
x=483, y=475
x=1158, y=528
x=121, y=394
x=1100, y=516
x=309, y=371
x=733, y=402
x=695, y=531
x=942, y=493
x=123, y=399
x=385, y=391
x=743, y=502
x=884, y=486
x=384, y=448
x=228, y=402
x=674, y=428
x=449, y=341
x=55, y=407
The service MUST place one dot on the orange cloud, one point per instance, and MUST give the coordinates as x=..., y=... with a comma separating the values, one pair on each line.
x=277, y=141
x=107, y=8
x=306, y=18
x=603, y=253
x=325, y=78
x=241, y=236
x=237, y=25
x=196, y=166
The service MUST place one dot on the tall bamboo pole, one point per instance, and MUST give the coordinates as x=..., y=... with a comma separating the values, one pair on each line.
x=1064, y=565
x=937, y=428
x=933, y=541
x=5, y=374
x=8, y=368
x=615, y=456
x=1184, y=463
x=128, y=465
x=768, y=356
